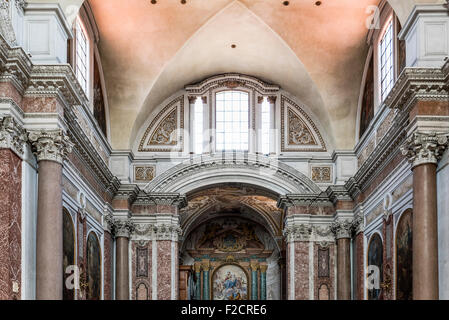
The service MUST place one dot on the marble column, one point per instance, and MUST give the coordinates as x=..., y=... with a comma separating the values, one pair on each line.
x=342, y=230
x=51, y=147
x=197, y=268
x=165, y=243
x=424, y=150
x=263, y=282
x=254, y=281
x=206, y=287
x=122, y=229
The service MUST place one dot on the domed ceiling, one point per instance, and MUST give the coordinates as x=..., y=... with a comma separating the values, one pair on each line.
x=150, y=51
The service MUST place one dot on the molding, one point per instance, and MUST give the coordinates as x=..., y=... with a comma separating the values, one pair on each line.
x=265, y=169
x=232, y=81
x=416, y=84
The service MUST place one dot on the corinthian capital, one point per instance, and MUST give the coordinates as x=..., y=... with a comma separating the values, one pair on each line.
x=423, y=148
x=122, y=227
x=300, y=232
x=12, y=135
x=51, y=145
x=342, y=229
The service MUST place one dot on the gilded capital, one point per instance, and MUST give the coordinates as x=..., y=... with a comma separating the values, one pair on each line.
x=12, y=135
x=425, y=148
x=50, y=145
x=263, y=268
x=197, y=267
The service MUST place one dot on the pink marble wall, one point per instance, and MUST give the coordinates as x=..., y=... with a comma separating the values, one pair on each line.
x=164, y=270
x=42, y=104
x=7, y=90
x=136, y=281
x=10, y=224
x=328, y=281
x=360, y=273
x=302, y=271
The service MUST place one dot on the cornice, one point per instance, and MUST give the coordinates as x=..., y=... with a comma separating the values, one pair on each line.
x=128, y=192
x=166, y=199
x=293, y=200
x=416, y=84
x=338, y=193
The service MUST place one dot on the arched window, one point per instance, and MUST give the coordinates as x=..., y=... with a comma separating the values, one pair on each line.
x=93, y=291
x=404, y=253
x=232, y=120
x=386, y=59
x=82, y=55
x=68, y=255
x=375, y=260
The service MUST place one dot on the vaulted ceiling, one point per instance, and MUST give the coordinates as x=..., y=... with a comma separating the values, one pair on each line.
x=317, y=53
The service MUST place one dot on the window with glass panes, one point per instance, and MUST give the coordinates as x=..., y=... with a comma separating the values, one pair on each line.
x=232, y=120
x=386, y=52
x=266, y=123
x=82, y=56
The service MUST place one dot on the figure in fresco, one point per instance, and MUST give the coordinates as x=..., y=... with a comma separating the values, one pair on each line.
x=230, y=283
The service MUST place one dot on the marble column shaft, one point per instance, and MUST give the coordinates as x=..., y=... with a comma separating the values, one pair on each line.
x=51, y=148
x=122, y=268
x=424, y=149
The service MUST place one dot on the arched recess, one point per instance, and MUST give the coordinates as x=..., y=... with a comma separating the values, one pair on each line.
x=233, y=167
x=259, y=58
x=69, y=253
x=375, y=259
x=404, y=254
x=93, y=268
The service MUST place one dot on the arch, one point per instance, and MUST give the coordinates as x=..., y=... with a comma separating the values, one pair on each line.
x=93, y=267
x=69, y=251
x=375, y=257
x=404, y=253
x=233, y=167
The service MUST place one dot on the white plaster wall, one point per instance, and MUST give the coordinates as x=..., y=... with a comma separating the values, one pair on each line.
x=29, y=219
x=443, y=225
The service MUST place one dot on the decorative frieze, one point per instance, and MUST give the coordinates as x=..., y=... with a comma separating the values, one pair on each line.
x=144, y=173
x=12, y=135
x=50, y=145
x=423, y=148
x=322, y=174
x=159, y=232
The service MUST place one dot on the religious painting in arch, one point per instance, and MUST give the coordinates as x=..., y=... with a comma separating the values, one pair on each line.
x=230, y=282
x=375, y=258
x=93, y=291
x=68, y=255
x=404, y=253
